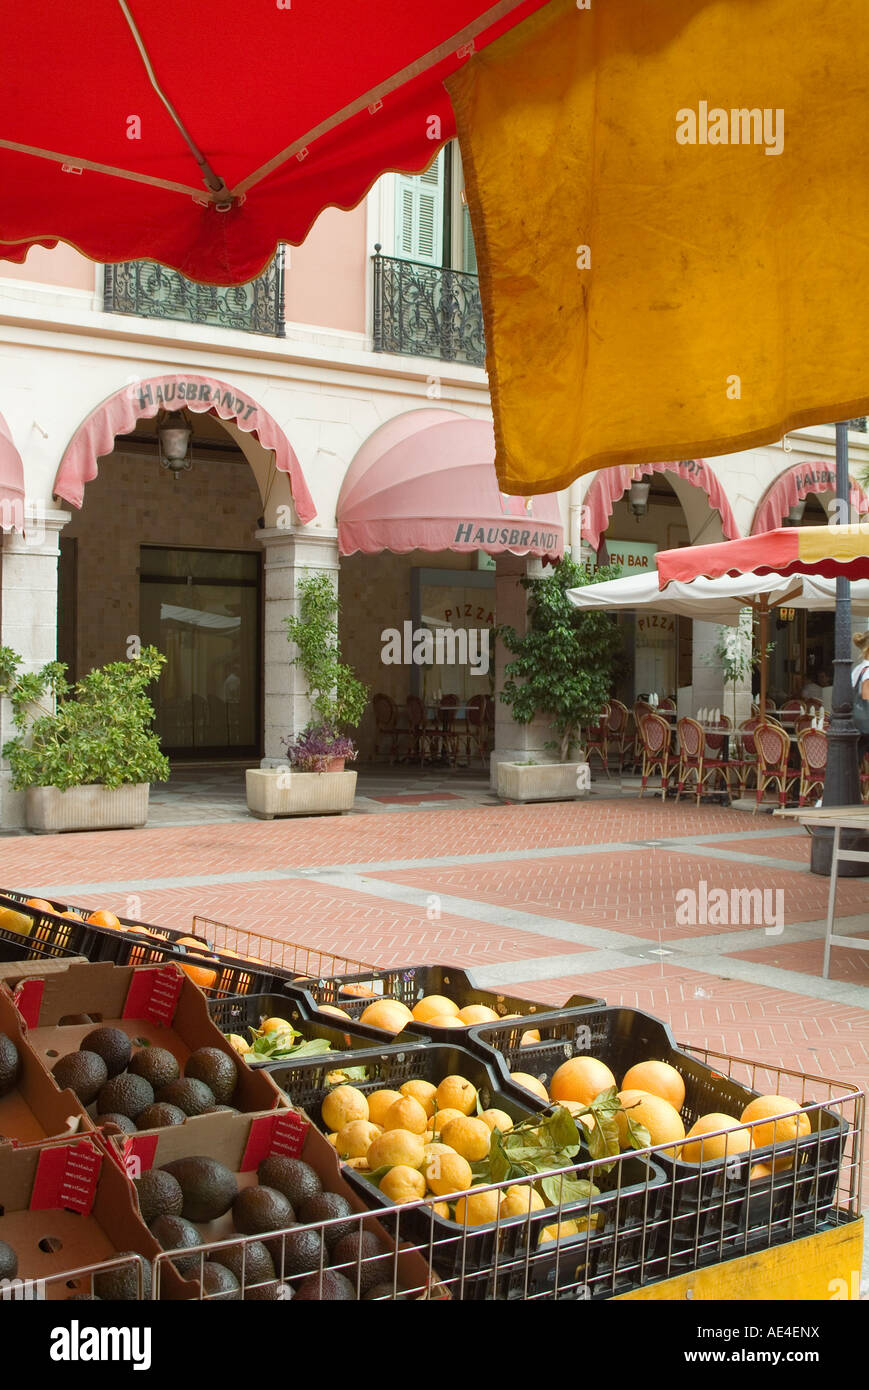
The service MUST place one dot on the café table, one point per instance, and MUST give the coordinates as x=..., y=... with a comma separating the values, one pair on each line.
x=836, y=818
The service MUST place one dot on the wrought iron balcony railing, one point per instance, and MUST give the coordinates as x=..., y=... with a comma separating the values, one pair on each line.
x=152, y=291
x=427, y=311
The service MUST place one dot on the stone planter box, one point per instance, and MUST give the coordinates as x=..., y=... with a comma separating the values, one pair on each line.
x=49, y=810
x=279, y=792
x=543, y=781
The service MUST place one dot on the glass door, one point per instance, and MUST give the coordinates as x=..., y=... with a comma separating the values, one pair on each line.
x=201, y=608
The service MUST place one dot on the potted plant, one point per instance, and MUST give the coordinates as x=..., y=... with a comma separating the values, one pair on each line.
x=84, y=754
x=562, y=671
x=315, y=781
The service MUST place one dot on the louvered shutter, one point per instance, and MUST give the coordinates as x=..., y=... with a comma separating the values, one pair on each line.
x=419, y=215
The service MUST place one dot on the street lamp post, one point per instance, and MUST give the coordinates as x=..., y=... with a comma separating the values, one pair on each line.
x=842, y=779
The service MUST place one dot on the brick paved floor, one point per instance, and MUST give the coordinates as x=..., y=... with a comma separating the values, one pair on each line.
x=544, y=900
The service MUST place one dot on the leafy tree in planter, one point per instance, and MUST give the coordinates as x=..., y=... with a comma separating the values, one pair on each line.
x=337, y=697
x=565, y=663
x=99, y=732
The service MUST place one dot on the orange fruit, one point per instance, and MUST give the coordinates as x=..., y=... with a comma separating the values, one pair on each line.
x=76, y=916
x=529, y=1037
x=657, y=1079
x=192, y=943
x=104, y=918
x=760, y=1170
x=200, y=976
x=581, y=1078
x=477, y=1013
x=445, y=1021
x=387, y=1014
x=531, y=1083
x=434, y=1006
x=735, y=1141
x=333, y=1009
x=42, y=904
x=777, y=1130
x=358, y=991
x=661, y=1119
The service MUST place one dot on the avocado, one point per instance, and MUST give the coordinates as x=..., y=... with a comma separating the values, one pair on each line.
x=216, y=1069
x=250, y=1263
x=85, y=1073
x=158, y=1116
x=123, y=1282
x=157, y=1065
x=159, y=1194
x=174, y=1233
x=8, y=1261
x=365, y=1259
x=122, y=1121
x=125, y=1095
x=10, y=1064
x=259, y=1209
x=274, y=1292
x=190, y=1095
x=297, y=1180
x=298, y=1252
x=327, y=1206
x=383, y=1291
x=112, y=1045
x=219, y=1283
x=328, y=1286
x=209, y=1188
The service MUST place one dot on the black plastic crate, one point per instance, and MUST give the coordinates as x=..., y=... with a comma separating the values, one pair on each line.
x=53, y=935
x=240, y=1012
x=715, y=1209
x=499, y=1260
x=408, y=984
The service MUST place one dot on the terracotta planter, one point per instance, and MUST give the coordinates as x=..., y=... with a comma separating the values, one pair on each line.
x=277, y=791
x=48, y=810
x=543, y=781
x=336, y=765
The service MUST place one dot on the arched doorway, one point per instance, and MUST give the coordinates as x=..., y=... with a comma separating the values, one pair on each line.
x=176, y=562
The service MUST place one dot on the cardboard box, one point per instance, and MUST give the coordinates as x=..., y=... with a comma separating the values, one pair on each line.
x=35, y=1109
x=67, y=1207
x=241, y=1142
x=157, y=1003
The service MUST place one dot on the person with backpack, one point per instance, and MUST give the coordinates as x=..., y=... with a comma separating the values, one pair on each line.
x=860, y=693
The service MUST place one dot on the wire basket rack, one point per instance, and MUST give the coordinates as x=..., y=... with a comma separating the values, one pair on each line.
x=287, y=958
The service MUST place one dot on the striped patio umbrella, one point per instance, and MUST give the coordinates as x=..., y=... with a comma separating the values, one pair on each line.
x=830, y=551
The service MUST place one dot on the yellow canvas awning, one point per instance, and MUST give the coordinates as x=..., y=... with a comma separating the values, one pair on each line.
x=670, y=205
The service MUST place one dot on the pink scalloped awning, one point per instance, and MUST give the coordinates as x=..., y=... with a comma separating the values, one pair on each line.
x=182, y=390
x=793, y=486
x=426, y=481
x=11, y=481
x=611, y=483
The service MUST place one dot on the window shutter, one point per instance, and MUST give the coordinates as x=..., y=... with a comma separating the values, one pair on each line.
x=469, y=254
x=419, y=202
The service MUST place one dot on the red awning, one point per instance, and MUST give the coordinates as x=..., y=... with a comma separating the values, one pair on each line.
x=426, y=481
x=11, y=482
x=182, y=390
x=292, y=107
x=793, y=485
x=611, y=483
x=830, y=551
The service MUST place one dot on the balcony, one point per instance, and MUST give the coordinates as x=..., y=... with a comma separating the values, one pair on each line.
x=427, y=311
x=151, y=291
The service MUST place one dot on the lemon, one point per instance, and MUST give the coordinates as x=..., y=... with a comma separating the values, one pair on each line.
x=396, y=1148
x=558, y=1231
x=403, y=1184
x=443, y=1117
x=496, y=1119
x=342, y=1105
x=531, y=1083
x=379, y=1102
x=405, y=1113
x=470, y=1138
x=275, y=1025
x=447, y=1173
x=456, y=1093
x=241, y=1046
x=356, y=1138
x=478, y=1208
x=422, y=1091
x=518, y=1201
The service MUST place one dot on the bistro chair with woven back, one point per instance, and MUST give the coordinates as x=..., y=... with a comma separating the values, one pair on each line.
x=812, y=744
x=640, y=710
x=773, y=748
x=476, y=730
x=694, y=759
x=619, y=737
x=386, y=726
x=657, y=753
x=596, y=739
x=418, y=733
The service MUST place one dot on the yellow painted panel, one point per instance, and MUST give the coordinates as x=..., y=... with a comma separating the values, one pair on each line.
x=825, y=1266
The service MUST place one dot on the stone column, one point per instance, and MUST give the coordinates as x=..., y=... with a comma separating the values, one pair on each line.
x=28, y=621
x=514, y=742
x=290, y=555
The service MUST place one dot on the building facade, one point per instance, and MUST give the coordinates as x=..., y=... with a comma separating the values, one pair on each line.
x=339, y=414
